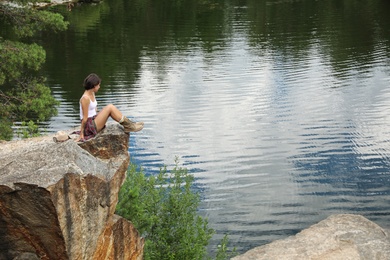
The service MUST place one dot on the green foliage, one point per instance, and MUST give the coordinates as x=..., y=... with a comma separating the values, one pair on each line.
x=164, y=210
x=27, y=21
x=28, y=129
x=5, y=129
x=23, y=92
x=16, y=58
x=223, y=251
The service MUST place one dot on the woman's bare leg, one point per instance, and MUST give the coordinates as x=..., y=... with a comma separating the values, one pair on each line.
x=108, y=111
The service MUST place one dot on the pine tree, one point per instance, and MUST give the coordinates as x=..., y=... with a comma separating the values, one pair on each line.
x=23, y=93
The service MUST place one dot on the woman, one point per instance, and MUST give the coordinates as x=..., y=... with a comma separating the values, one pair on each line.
x=93, y=122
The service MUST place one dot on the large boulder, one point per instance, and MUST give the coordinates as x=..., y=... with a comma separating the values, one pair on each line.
x=339, y=237
x=57, y=200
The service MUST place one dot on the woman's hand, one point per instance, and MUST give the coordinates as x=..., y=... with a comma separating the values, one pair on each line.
x=80, y=139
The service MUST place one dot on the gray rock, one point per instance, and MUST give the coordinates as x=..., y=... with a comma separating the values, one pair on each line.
x=57, y=200
x=341, y=237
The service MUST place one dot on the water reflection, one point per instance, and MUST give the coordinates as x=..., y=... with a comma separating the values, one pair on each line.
x=279, y=108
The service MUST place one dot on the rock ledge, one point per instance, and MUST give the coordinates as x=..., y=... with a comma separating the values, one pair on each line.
x=57, y=200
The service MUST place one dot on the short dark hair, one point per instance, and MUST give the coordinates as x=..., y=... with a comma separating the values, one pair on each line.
x=91, y=81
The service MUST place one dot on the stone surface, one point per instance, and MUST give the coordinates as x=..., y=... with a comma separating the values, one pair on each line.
x=57, y=200
x=341, y=237
x=110, y=243
x=29, y=224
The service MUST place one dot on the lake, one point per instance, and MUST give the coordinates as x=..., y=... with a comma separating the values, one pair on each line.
x=279, y=108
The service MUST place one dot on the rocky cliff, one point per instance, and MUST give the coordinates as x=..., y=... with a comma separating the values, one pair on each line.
x=57, y=200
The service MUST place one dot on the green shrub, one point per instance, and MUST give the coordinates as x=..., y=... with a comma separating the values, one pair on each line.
x=28, y=129
x=223, y=252
x=163, y=208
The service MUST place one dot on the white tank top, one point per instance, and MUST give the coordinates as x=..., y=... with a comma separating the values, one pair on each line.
x=91, y=109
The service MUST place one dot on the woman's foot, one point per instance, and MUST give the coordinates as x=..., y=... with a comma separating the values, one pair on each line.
x=130, y=126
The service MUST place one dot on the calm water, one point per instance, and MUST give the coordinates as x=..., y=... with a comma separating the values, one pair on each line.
x=279, y=108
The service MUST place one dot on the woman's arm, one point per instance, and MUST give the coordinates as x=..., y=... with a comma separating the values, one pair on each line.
x=84, y=106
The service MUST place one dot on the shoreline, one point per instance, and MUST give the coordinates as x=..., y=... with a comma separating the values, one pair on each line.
x=70, y=3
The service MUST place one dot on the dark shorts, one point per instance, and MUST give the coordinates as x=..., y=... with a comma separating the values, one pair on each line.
x=90, y=129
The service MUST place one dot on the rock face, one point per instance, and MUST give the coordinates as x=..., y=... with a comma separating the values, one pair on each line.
x=57, y=200
x=340, y=237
